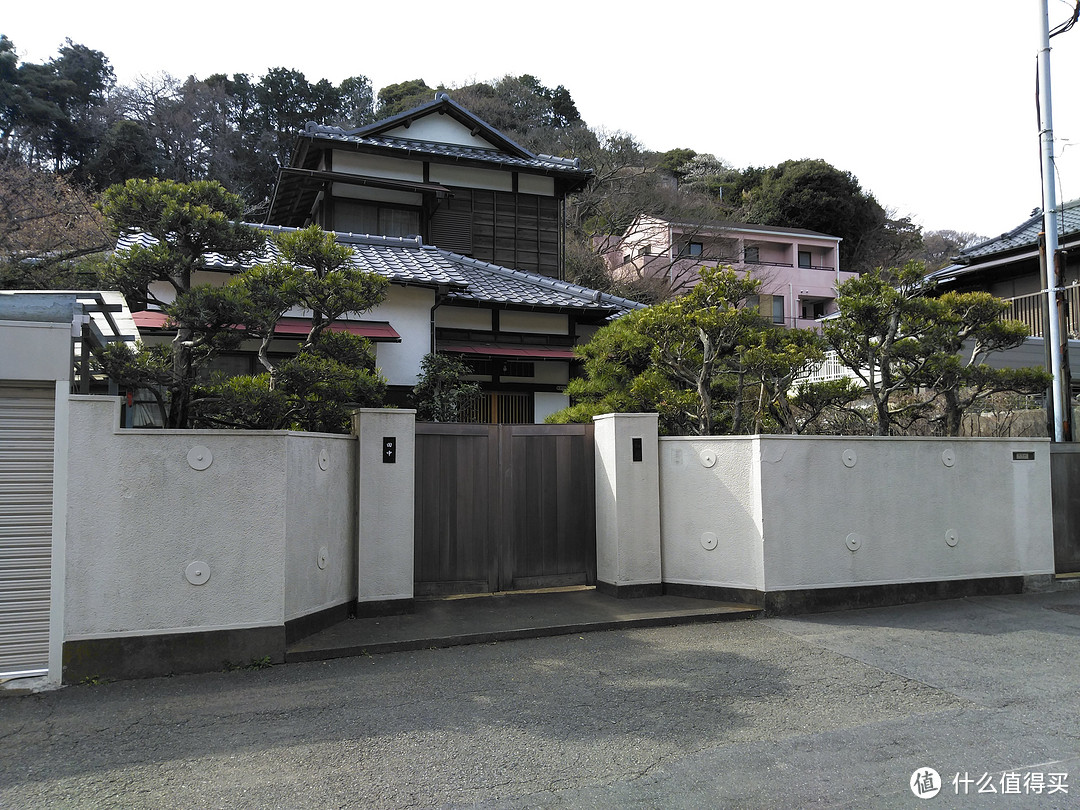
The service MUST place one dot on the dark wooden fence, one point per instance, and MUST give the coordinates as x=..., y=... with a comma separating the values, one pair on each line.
x=502, y=507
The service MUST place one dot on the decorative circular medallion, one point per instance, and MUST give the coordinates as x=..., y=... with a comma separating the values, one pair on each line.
x=708, y=541
x=198, y=573
x=948, y=458
x=850, y=458
x=853, y=542
x=324, y=459
x=951, y=538
x=200, y=457
x=324, y=554
x=708, y=458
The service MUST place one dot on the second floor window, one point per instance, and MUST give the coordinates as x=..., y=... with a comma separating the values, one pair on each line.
x=752, y=255
x=695, y=248
x=804, y=259
x=376, y=220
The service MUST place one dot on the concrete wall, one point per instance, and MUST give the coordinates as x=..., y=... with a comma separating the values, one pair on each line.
x=35, y=351
x=202, y=532
x=710, y=508
x=628, y=552
x=320, y=515
x=775, y=513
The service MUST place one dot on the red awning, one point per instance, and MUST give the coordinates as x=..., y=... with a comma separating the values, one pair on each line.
x=498, y=350
x=378, y=331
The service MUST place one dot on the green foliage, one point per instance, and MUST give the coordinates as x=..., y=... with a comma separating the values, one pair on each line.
x=397, y=98
x=705, y=362
x=919, y=356
x=324, y=387
x=442, y=393
x=188, y=220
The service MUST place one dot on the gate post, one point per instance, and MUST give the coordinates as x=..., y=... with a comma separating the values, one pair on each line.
x=385, y=463
x=627, y=504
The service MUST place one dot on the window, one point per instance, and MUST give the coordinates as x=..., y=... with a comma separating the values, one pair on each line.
x=752, y=255
x=804, y=259
x=778, y=309
x=357, y=217
x=695, y=248
x=645, y=250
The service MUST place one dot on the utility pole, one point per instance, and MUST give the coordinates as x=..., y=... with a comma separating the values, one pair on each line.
x=1053, y=332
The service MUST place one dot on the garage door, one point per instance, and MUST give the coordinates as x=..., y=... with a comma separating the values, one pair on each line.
x=26, y=481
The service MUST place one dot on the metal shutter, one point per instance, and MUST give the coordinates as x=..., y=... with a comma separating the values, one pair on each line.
x=26, y=489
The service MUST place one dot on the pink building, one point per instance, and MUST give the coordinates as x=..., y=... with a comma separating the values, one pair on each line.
x=799, y=269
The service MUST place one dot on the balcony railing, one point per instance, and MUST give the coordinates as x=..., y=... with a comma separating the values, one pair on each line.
x=1029, y=310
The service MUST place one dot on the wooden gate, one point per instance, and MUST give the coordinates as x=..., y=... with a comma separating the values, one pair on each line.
x=501, y=507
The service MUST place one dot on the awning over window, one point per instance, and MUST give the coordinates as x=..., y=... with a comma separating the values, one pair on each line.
x=502, y=350
x=377, y=331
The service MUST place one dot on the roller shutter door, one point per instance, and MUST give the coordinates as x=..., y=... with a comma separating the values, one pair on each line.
x=26, y=485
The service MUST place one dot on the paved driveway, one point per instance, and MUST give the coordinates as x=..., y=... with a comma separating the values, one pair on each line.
x=834, y=710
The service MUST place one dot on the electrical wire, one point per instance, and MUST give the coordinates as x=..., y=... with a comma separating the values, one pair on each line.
x=1069, y=23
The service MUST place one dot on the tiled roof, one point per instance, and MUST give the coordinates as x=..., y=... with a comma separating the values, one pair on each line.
x=1026, y=234
x=414, y=148
x=409, y=261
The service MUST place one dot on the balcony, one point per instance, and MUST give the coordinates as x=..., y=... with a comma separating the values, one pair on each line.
x=1029, y=310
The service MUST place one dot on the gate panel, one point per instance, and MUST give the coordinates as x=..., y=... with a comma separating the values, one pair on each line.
x=551, y=499
x=454, y=517
x=502, y=507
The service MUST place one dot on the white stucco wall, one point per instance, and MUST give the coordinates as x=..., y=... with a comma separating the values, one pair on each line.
x=378, y=166
x=320, y=514
x=470, y=177
x=35, y=351
x=710, y=508
x=440, y=129
x=449, y=317
x=546, y=403
x=902, y=501
x=385, y=539
x=553, y=323
x=138, y=514
x=536, y=184
x=408, y=309
x=627, y=509
x=793, y=512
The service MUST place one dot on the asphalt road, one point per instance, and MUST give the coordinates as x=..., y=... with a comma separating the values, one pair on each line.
x=836, y=710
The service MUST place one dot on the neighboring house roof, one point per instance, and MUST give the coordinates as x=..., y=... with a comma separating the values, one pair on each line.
x=1020, y=242
x=746, y=227
x=409, y=261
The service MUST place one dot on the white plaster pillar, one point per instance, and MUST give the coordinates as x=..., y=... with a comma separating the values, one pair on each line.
x=628, y=504
x=385, y=483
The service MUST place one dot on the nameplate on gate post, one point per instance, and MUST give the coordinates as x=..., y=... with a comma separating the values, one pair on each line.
x=389, y=449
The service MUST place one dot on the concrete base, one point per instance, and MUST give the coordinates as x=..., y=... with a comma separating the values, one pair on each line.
x=385, y=607
x=822, y=600
x=298, y=628
x=630, y=591
x=119, y=658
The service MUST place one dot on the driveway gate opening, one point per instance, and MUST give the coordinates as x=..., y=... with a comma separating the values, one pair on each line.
x=502, y=507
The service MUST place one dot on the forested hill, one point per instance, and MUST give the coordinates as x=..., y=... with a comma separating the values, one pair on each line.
x=68, y=131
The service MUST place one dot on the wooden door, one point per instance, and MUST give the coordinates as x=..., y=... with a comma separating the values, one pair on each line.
x=503, y=507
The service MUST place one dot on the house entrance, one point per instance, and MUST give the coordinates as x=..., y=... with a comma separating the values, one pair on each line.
x=503, y=507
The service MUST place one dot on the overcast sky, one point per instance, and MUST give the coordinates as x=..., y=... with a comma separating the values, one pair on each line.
x=930, y=103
